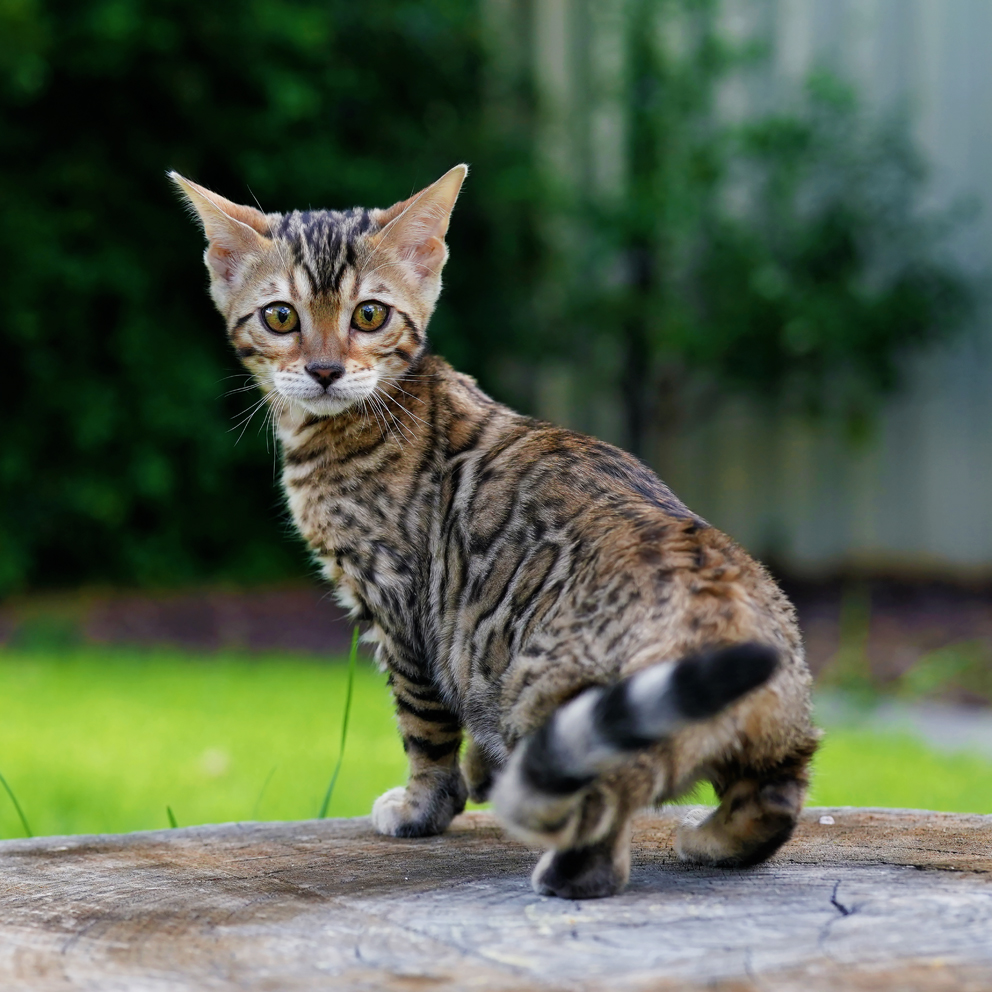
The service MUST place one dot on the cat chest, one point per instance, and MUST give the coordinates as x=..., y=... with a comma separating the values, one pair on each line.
x=361, y=544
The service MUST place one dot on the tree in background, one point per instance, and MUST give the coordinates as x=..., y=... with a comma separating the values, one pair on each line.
x=784, y=255
x=117, y=460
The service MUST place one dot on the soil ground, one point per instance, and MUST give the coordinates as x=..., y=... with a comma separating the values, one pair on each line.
x=871, y=632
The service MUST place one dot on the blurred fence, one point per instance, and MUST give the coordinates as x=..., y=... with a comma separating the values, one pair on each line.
x=913, y=495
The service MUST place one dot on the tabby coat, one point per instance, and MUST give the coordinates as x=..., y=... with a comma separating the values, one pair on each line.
x=604, y=647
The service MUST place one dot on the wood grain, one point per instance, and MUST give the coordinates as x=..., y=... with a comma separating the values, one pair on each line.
x=880, y=899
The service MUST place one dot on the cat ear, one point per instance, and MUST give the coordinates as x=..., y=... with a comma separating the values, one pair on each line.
x=414, y=229
x=234, y=232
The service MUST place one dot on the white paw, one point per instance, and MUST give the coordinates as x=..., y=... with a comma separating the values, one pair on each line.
x=695, y=816
x=694, y=839
x=391, y=812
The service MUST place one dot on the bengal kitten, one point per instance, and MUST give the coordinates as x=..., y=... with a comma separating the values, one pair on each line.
x=604, y=647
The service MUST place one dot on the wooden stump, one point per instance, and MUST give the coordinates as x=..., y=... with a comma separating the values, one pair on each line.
x=875, y=899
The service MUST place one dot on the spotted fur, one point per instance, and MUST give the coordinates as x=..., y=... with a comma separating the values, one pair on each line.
x=603, y=646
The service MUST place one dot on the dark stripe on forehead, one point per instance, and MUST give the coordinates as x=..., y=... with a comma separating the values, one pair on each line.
x=311, y=276
x=323, y=243
x=331, y=265
x=333, y=281
x=288, y=225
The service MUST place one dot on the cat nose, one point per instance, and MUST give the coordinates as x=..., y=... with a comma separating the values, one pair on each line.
x=324, y=373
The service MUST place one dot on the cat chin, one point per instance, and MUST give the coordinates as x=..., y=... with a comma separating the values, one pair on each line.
x=326, y=406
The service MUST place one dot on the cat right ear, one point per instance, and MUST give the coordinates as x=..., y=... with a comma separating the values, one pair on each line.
x=234, y=232
x=415, y=229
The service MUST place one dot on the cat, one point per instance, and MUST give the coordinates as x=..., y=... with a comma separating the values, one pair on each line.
x=604, y=647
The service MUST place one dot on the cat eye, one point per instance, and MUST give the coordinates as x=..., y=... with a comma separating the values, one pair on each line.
x=280, y=317
x=369, y=316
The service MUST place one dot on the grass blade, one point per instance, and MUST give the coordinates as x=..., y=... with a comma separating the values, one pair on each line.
x=17, y=806
x=265, y=785
x=352, y=663
x=172, y=817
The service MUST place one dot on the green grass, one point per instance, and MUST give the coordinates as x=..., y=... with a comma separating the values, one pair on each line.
x=94, y=740
x=861, y=768
x=110, y=740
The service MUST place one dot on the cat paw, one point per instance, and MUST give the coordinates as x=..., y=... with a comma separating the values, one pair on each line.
x=749, y=826
x=694, y=817
x=694, y=842
x=581, y=873
x=402, y=813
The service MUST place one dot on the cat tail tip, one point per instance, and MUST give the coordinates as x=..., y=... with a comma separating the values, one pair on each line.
x=602, y=727
x=706, y=684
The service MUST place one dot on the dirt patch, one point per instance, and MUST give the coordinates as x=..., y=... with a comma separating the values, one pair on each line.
x=296, y=618
x=932, y=639
x=875, y=630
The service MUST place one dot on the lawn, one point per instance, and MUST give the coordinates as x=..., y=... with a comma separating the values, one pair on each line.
x=105, y=740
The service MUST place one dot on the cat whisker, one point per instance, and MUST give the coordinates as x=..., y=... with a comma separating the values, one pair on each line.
x=368, y=261
x=381, y=265
x=375, y=413
x=247, y=378
x=399, y=423
x=275, y=412
x=391, y=428
x=249, y=412
x=393, y=399
x=365, y=413
x=240, y=389
x=247, y=417
x=395, y=383
x=399, y=426
x=381, y=412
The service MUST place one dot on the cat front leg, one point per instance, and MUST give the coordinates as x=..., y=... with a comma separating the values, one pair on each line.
x=478, y=771
x=435, y=791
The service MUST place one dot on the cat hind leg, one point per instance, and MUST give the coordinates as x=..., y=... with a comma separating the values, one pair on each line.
x=757, y=813
x=570, y=786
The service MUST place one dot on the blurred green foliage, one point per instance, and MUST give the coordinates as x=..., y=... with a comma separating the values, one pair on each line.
x=959, y=670
x=117, y=463
x=784, y=251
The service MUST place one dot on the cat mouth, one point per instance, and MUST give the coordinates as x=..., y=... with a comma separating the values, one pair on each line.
x=326, y=404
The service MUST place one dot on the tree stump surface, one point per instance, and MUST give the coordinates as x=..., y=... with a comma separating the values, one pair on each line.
x=877, y=899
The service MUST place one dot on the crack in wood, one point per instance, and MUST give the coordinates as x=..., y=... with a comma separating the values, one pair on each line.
x=843, y=910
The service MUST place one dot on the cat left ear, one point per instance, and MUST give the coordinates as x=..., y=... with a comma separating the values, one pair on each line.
x=415, y=228
x=234, y=231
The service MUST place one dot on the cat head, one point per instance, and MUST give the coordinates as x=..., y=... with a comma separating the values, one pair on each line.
x=322, y=306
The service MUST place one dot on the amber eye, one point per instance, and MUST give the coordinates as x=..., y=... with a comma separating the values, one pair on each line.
x=369, y=316
x=280, y=317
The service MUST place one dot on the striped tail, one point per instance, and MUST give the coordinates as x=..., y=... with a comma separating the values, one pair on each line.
x=603, y=727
